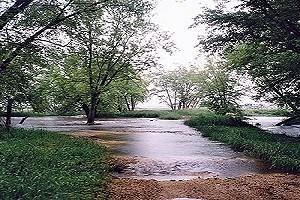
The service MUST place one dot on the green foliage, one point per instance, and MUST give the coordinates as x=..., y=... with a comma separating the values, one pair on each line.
x=165, y=114
x=260, y=39
x=220, y=88
x=47, y=165
x=170, y=116
x=216, y=120
x=275, y=74
x=281, y=151
x=179, y=88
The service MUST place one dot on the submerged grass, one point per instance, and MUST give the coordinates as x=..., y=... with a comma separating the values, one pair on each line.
x=37, y=164
x=281, y=151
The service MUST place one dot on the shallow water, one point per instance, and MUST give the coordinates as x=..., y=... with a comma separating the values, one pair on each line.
x=268, y=123
x=165, y=150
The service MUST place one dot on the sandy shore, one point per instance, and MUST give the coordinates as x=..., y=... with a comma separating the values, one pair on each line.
x=264, y=187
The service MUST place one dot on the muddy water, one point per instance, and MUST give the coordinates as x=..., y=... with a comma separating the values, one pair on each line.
x=163, y=149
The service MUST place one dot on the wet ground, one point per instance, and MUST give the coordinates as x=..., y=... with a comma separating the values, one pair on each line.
x=163, y=149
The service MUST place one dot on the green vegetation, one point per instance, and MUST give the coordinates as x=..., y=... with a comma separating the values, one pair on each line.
x=254, y=40
x=213, y=86
x=37, y=164
x=164, y=114
x=267, y=112
x=281, y=151
x=97, y=66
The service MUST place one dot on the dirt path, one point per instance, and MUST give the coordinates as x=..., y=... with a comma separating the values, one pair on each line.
x=264, y=187
x=256, y=187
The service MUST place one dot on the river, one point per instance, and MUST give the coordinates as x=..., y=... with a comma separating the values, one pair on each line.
x=164, y=149
x=268, y=123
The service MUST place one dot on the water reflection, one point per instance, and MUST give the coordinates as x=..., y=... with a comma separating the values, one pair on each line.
x=165, y=150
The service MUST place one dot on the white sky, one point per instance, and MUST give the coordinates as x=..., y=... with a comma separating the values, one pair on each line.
x=175, y=17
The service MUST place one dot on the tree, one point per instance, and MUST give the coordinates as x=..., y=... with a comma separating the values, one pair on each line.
x=122, y=95
x=267, y=33
x=11, y=12
x=15, y=86
x=19, y=33
x=275, y=76
x=32, y=28
x=220, y=91
x=178, y=88
x=112, y=45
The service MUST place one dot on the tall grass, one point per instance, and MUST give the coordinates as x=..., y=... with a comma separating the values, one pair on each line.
x=281, y=151
x=38, y=164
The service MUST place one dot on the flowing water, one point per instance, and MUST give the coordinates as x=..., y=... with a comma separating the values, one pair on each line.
x=163, y=149
x=268, y=123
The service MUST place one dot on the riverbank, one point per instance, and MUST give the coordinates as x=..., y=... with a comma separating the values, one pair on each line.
x=281, y=151
x=36, y=164
x=266, y=187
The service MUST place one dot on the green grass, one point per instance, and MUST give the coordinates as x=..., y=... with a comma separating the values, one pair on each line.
x=38, y=164
x=164, y=114
x=281, y=151
x=267, y=112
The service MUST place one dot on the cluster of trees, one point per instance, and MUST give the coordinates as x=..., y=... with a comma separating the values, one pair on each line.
x=62, y=56
x=214, y=87
x=262, y=40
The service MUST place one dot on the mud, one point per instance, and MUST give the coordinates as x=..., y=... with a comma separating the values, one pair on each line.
x=281, y=186
x=264, y=187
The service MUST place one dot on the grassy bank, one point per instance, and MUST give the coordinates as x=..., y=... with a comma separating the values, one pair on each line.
x=267, y=112
x=281, y=151
x=165, y=114
x=48, y=165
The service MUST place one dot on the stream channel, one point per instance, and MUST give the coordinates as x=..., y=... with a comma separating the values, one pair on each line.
x=162, y=149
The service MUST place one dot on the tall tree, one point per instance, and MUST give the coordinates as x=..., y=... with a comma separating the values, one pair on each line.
x=110, y=45
x=268, y=35
x=220, y=90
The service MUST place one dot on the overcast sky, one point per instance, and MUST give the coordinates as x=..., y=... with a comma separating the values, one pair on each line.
x=175, y=17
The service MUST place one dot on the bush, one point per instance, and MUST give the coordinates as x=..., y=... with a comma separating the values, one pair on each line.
x=164, y=114
x=170, y=116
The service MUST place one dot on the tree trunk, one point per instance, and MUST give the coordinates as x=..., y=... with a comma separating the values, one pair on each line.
x=92, y=110
x=127, y=103
x=86, y=109
x=8, y=114
x=132, y=103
